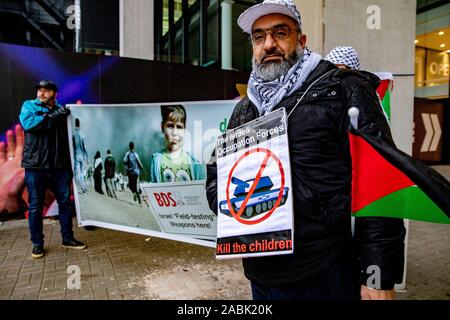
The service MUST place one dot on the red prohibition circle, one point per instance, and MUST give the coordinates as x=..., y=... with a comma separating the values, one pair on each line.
x=237, y=216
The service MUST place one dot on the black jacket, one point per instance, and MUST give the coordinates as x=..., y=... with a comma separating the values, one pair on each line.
x=46, y=138
x=110, y=167
x=321, y=181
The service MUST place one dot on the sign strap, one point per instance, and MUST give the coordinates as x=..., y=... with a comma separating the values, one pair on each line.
x=307, y=90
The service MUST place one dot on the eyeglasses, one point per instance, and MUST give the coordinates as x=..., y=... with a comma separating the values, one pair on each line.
x=278, y=33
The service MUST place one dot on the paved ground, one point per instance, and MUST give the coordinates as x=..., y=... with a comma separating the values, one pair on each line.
x=119, y=265
x=116, y=265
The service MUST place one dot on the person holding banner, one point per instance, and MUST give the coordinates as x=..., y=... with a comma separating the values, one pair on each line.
x=174, y=164
x=46, y=159
x=316, y=96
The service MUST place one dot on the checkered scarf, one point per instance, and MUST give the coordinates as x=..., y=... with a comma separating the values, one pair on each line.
x=344, y=55
x=266, y=95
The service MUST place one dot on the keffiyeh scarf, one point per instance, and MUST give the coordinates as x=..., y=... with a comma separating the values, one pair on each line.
x=266, y=95
x=344, y=55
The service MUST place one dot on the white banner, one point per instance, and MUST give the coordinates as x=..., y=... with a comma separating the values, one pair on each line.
x=129, y=159
x=182, y=208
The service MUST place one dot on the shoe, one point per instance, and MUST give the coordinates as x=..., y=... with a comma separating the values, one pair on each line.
x=134, y=197
x=74, y=244
x=37, y=252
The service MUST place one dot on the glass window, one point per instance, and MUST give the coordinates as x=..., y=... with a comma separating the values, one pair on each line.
x=437, y=68
x=420, y=67
x=425, y=3
x=188, y=45
x=178, y=10
x=432, y=42
x=212, y=44
x=194, y=40
x=165, y=19
x=242, y=49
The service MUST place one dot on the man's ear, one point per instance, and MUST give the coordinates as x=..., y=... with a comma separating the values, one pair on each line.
x=302, y=40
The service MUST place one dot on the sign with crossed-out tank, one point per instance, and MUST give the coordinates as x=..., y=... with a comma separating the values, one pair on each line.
x=254, y=189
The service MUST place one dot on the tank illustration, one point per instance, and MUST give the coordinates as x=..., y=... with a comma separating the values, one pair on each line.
x=262, y=200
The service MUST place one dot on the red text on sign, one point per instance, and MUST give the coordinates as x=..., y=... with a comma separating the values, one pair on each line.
x=165, y=199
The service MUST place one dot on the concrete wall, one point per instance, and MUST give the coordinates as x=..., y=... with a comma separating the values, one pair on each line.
x=312, y=21
x=137, y=29
x=390, y=48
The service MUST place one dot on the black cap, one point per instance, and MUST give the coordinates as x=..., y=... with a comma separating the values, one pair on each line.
x=47, y=84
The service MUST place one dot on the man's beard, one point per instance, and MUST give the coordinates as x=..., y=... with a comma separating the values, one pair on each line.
x=48, y=101
x=269, y=71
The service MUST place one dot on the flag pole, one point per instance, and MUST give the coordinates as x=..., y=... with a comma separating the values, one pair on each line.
x=353, y=113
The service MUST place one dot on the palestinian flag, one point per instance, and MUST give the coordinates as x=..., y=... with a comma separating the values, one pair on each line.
x=389, y=183
x=384, y=91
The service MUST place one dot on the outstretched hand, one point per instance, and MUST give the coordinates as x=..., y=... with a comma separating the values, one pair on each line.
x=12, y=176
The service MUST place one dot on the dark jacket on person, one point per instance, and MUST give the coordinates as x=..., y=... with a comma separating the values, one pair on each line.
x=46, y=138
x=110, y=167
x=321, y=180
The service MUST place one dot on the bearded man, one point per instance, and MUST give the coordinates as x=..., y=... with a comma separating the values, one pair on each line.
x=46, y=159
x=317, y=96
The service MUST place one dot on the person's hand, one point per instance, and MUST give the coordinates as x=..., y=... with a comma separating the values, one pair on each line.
x=374, y=294
x=12, y=176
x=64, y=111
x=60, y=113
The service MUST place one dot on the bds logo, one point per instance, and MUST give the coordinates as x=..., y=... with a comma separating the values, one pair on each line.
x=165, y=199
x=169, y=199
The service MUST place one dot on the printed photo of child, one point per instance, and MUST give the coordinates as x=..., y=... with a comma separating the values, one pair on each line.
x=174, y=164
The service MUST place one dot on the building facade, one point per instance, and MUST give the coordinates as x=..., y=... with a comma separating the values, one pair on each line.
x=407, y=38
x=432, y=65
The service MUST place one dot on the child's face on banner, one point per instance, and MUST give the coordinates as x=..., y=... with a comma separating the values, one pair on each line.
x=173, y=133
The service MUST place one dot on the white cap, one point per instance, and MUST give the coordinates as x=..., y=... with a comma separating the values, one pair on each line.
x=286, y=7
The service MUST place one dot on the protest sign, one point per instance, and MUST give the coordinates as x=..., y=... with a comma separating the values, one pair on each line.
x=254, y=189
